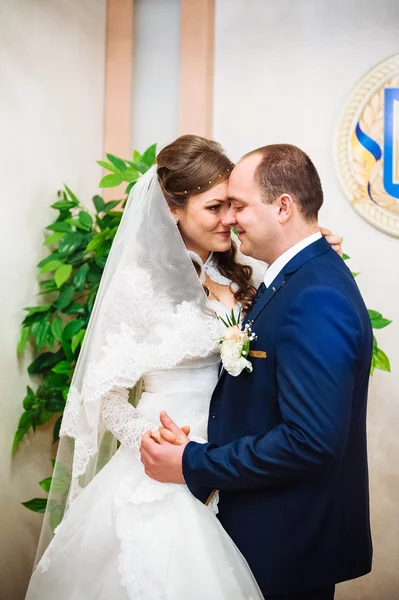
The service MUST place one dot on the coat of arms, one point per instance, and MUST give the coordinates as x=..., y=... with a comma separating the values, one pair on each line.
x=367, y=147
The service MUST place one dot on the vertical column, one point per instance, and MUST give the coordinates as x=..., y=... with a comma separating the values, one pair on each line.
x=118, y=81
x=196, y=67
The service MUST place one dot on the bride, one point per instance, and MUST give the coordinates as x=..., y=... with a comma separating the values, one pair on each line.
x=153, y=339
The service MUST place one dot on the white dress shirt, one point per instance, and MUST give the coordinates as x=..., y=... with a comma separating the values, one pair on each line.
x=274, y=269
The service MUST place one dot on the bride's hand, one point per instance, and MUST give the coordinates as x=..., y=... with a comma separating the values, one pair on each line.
x=162, y=435
x=334, y=241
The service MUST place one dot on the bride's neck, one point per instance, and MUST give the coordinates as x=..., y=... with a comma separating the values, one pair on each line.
x=203, y=254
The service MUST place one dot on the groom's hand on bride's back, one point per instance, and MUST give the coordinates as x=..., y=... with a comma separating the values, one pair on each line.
x=334, y=241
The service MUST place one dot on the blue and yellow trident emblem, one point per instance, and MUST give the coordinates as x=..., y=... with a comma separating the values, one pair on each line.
x=367, y=147
x=368, y=150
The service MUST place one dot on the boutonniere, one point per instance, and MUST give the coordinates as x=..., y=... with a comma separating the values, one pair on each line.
x=235, y=345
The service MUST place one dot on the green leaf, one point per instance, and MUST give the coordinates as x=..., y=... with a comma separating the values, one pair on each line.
x=110, y=205
x=56, y=328
x=98, y=203
x=36, y=504
x=56, y=512
x=34, y=320
x=45, y=484
x=56, y=429
x=95, y=274
x=63, y=205
x=148, y=157
x=127, y=190
x=72, y=196
x=71, y=329
x=62, y=274
x=44, y=417
x=60, y=226
x=61, y=478
x=63, y=367
x=55, y=255
x=97, y=240
x=373, y=314
x=131, y=175
x=24, y=425
x=80, y=277
x=108, y=166
x=48, y=285
x=55, y=404
x=66, y=346
x=65, y=297
x=54, y=238
x=30, y=399
x=41, y=333
x=380, y=323
x=37, y=366
x=136, y=156
x=86, y=219
x=77, y=339
x=92, y=297
x=345, y=257
x=139, y=166
x=51, y=266
x=381, y=361
x=70, y=242
x=110, y=181
x=117, y=162
x=37, y=309
x=355, y=274
x=23, y=340
x=74, y=309
x=55, y=381
x=77, y=257
x=377, y=320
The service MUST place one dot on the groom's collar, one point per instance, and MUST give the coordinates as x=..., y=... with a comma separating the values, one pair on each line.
x=315, y=249
x=279, y=264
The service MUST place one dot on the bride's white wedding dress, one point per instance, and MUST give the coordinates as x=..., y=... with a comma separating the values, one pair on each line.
x=127, y=536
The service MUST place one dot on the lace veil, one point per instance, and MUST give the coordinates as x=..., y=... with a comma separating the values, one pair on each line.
x=148, y=272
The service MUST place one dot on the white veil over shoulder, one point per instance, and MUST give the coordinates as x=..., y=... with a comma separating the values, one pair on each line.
x=148, y=271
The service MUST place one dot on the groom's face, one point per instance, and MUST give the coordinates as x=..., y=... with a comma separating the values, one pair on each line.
x=257, y=222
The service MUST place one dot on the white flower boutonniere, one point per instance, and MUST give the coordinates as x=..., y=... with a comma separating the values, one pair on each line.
x=235, y=345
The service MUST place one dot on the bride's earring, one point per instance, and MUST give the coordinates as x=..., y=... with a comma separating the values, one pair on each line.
x=176, y=221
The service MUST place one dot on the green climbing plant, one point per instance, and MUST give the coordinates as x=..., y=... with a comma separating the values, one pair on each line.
x=379, y=359
x=78, y=243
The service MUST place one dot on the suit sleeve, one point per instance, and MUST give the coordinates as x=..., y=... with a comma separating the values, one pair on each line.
x=317, y=350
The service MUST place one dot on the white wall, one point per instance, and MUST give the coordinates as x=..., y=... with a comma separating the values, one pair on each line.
x=283, y=73
x=156, y=52
x=51, y=122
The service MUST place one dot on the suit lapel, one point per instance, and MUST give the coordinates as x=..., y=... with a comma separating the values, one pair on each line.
x=275, y=286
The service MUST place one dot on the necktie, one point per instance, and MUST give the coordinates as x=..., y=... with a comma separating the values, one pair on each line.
x=261, y=290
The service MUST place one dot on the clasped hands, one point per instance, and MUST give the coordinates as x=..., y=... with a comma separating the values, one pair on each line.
x=162, y=451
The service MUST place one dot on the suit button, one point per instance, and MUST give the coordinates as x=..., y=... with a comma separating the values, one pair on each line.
x=213, y=417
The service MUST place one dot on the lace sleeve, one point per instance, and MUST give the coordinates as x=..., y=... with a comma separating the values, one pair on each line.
x=122, y=419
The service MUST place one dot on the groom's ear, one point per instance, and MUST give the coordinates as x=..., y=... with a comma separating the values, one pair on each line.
x=285, y=207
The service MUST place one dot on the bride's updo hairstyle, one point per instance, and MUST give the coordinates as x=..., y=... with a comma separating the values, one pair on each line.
x=190, y=166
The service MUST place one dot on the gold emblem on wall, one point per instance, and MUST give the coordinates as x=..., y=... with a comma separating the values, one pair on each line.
x=367, y=147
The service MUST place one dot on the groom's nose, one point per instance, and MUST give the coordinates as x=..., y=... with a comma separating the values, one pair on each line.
x=229, y=218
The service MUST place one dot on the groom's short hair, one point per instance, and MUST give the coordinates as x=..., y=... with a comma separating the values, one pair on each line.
x=286, y=169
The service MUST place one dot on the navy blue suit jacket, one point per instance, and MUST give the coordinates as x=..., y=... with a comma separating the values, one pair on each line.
x=287, y=442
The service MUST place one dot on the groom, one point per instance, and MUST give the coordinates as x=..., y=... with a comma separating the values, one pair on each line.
x=287, y=442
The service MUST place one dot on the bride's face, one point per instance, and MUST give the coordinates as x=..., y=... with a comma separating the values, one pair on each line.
x=202, y=221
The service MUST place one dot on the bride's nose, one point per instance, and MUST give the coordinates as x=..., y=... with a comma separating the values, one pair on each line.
x=229, y=218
